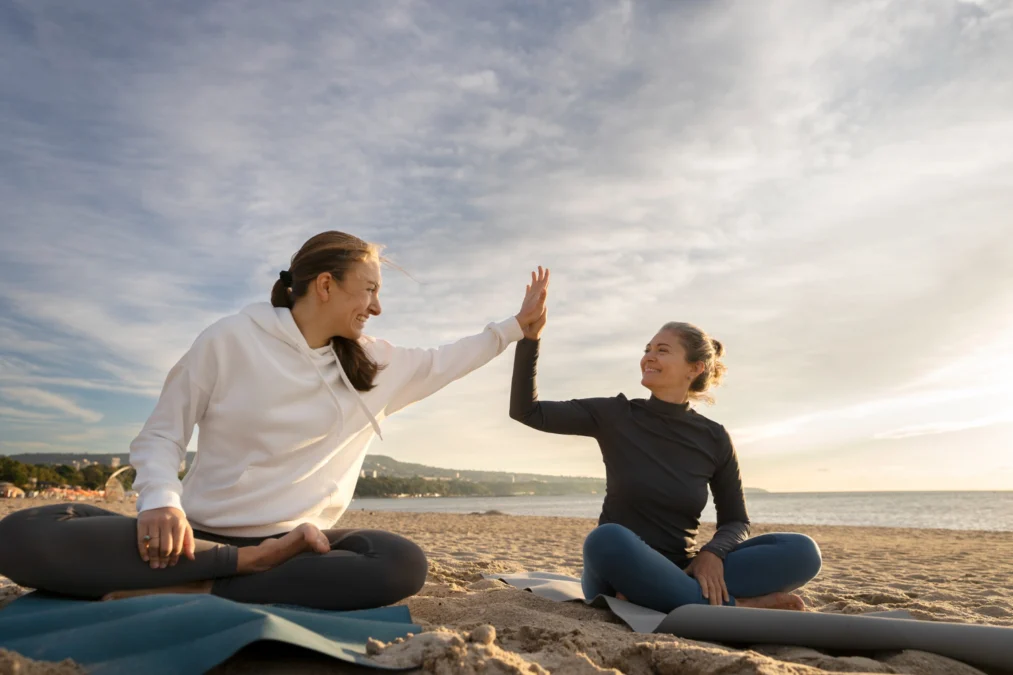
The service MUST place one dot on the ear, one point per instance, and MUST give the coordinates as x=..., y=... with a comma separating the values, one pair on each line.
x=698, y=368
x=322, y=286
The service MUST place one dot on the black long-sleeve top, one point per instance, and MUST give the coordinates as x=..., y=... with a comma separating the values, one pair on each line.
x=659, y=459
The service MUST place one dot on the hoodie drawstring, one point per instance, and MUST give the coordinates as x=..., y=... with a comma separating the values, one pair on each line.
x=358, y=397
x=348, y=383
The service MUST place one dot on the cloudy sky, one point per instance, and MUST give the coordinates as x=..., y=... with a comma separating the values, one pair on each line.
x=825, y=187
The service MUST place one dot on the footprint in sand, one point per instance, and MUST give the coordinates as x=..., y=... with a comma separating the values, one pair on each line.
x=995, y=611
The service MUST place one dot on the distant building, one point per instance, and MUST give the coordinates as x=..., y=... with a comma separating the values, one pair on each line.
x=114, y=463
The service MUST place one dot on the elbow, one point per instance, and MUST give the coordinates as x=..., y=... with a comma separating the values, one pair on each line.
x=523, y=415
x=519, y=416
x=516, y=413
x=520, y=406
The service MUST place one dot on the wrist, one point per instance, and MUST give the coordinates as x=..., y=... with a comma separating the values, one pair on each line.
x=709, y=552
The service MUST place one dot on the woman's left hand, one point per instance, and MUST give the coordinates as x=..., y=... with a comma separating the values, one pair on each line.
x=709, y=570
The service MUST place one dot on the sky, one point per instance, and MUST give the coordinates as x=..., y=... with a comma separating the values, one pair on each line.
x=825, y=187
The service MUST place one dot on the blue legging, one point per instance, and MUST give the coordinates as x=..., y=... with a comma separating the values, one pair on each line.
x=617, y=560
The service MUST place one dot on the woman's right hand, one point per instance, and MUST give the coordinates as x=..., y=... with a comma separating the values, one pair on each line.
x=162, y=534
x=533, y=311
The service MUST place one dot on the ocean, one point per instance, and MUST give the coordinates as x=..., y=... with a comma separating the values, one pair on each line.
x=944, y=510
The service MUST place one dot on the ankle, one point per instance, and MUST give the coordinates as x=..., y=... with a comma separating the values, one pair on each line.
x=251, y=559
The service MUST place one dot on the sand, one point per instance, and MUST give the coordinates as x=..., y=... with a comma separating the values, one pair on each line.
x=477, y=625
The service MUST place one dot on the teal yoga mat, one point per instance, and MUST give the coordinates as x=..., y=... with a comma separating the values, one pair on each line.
x=184, y=634
x=978, y=645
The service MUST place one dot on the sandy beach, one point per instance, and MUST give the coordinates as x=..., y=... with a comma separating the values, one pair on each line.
x=934, y=574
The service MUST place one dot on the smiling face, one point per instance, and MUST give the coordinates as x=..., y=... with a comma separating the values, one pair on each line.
x=355, y=298
x=664, y=367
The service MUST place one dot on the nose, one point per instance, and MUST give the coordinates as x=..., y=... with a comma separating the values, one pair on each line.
x=374, y=308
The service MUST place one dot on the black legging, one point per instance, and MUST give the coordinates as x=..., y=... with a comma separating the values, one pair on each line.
x=85, y=551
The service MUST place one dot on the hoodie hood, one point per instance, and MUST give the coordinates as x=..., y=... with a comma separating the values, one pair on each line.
x=278, y=322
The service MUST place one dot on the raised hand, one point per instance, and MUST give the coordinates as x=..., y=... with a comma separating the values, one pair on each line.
x=533, y=310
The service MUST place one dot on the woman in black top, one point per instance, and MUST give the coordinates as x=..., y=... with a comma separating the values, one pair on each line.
x=660, y=456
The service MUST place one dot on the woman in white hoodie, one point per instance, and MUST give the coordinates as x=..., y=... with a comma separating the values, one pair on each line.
x=288, y=396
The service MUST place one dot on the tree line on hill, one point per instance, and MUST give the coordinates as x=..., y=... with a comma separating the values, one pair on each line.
x=39, y=476
x=94, y=477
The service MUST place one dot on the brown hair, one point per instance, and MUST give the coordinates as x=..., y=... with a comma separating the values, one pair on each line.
x=336, y=253
x=700, y=348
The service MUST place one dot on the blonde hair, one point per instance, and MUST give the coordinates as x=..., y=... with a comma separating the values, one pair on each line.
x=700, y=348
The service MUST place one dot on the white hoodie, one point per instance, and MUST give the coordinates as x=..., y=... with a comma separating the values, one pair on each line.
x=282, y=431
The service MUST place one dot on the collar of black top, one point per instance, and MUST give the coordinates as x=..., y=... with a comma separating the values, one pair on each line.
x=655, y=403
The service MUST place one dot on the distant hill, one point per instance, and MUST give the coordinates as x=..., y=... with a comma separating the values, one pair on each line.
x=387, y=466
x=383, y=465
x=67, y=458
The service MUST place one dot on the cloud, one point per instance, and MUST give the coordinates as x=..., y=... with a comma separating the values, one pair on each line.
x=38, y=398
x=943, y=427
x=821, y=186
x=25, y=415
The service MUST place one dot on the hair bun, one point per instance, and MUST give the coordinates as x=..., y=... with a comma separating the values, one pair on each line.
x=719, y=349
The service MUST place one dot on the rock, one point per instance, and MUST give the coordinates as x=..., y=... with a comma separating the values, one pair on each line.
x=485, y=635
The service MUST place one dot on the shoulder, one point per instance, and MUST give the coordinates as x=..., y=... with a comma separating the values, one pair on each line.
x=222, y=331
x=715, y=429
x=380, y=350
x=611, y=406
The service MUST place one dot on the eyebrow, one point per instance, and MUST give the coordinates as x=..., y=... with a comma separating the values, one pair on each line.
x=661, y=344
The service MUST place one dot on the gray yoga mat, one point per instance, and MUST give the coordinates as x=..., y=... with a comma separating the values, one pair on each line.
x=984, y=646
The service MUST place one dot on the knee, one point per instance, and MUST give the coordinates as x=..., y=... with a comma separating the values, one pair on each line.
x=16, y=546
x=408, y=570
x=807, y=556
x=605, y=544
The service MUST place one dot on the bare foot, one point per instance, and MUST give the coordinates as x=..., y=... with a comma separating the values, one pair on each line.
x=620, y=596
x=273, y=552
x=196, y=587
x=774, y=601
x=260, y=558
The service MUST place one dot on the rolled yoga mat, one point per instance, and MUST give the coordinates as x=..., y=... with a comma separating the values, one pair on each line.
x=978, y=645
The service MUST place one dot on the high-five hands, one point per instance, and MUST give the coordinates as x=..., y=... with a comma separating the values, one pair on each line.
x=533, y=309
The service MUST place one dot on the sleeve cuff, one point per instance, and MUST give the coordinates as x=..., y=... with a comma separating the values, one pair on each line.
x=511, y=329
x=159, y=499
x=715, y=550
